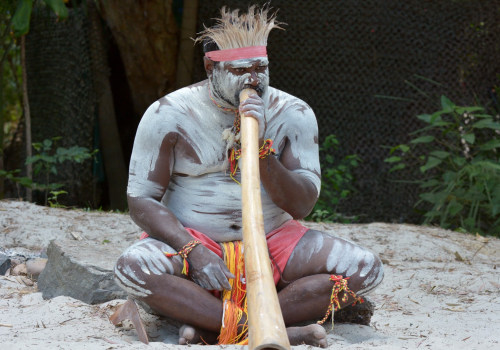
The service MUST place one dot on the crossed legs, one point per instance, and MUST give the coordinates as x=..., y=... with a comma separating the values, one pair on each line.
x=304, y=290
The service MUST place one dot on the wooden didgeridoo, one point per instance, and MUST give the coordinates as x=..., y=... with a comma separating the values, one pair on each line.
x=266, y=327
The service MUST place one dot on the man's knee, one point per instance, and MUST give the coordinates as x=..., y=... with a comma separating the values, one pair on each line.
x=127, y=277
x=137, y=265
x=372, y=272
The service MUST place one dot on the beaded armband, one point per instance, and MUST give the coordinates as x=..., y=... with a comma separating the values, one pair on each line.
x=183, y=253
x=266, y=149
x=339, y=285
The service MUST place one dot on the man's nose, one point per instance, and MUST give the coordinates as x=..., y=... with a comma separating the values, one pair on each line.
x=254, y=79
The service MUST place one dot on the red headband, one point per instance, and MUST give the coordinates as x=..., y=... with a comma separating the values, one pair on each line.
x=237, y=54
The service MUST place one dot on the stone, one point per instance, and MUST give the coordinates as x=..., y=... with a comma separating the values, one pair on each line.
x=34, y=267
x=5, y=263
x=18, y=270
x=82, y=270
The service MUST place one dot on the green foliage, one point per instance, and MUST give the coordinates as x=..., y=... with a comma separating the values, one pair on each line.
x=46, y=159
x=458, y=153
x=53, y=199
x=22, y=16
x=12, y=176
x=336, y=184
x=45, y=163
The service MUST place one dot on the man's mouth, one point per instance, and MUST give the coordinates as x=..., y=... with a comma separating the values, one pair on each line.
x=259, y=89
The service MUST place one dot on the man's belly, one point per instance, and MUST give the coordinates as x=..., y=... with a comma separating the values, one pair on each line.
x=211, y=204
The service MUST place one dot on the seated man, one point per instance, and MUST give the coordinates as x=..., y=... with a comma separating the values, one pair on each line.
x=183, y=191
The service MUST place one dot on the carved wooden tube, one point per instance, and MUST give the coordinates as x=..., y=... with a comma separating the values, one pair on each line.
x=266, y=328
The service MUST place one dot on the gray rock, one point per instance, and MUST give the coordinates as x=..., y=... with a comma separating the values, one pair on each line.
x=82, y=270
x=34, y=267
x=5, y=263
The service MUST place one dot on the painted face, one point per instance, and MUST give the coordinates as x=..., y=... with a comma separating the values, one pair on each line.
x=229, y=78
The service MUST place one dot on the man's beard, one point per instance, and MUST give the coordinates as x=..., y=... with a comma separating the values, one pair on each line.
x=226, y=87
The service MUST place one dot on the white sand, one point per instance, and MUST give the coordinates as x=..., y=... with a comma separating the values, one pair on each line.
x=441, y=289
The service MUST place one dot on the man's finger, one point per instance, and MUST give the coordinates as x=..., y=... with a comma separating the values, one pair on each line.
x=223, y=281
x=226, y=271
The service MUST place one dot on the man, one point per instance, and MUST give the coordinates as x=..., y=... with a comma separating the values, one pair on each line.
x=183, y=191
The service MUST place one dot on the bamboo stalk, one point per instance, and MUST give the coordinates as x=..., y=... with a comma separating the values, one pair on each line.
x=266, y=327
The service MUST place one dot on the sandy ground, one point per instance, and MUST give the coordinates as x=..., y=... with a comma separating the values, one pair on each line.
x=441, y=288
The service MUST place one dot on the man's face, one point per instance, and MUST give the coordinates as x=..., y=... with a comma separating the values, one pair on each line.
x=230, y=77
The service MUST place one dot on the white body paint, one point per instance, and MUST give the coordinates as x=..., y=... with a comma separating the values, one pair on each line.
x=201, y=193
x=151, y=260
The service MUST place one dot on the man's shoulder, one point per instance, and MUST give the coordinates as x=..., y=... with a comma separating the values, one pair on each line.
x=179, y=101
x=280, y=100
x=189, y=93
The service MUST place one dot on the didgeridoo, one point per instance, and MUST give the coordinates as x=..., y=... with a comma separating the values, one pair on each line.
x=266, y=327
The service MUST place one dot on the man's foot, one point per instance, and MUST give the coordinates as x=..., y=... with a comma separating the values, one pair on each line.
x=191, y=335
x=313, y=334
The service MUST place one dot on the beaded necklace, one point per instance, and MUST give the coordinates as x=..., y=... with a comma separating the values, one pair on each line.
x=234, y=151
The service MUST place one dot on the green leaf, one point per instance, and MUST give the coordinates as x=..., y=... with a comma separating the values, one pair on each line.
x=491, y=144
x=397, y=167
x=495, y=209
x=454, y=207
x=436, y=118
x=431, y=197
x=392, y=159
x=47, y=144
x=440, y=154
x=423, y=139
x=431, y=163
x=470, y=138
x=22, y=17
x=403, y=148
x=486, y=123
x=430, y=183
x=446, y=104
x=449, y=176
x=424, y=117
x=462, y=110
x=459, y=161
x=441, y=123
x=26, y=182
x=470, y=224
x=485, y=116
x=58, y=7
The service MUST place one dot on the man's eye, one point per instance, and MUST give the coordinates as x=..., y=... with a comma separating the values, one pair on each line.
x=262, y=68
x=240, y=70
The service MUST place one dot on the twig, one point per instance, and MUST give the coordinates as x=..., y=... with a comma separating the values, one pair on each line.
x=70, y=319
x=5, y=325
x=478, y=249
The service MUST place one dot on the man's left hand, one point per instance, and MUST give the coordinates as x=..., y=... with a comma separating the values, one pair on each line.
x=253, y=107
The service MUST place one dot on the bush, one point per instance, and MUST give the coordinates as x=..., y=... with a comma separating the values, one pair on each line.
x=458, y=153
x=336, y=185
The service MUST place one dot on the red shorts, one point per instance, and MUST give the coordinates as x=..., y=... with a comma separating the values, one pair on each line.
x=280, y=242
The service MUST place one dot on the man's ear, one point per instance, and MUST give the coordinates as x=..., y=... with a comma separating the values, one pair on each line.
x=209, y=66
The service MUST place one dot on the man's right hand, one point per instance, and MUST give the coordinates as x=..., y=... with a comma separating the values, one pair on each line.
x=208, y=270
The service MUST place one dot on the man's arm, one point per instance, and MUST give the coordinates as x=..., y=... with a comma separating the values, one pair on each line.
x=292, y=181
x=291, y=191
x=151, y=168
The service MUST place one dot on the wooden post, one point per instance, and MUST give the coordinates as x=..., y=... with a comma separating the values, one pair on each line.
x=266, y=327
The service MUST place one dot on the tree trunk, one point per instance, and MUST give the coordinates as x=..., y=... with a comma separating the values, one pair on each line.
x=114, y=162
x=186, y=47
x=147, y=36
x=27, y=117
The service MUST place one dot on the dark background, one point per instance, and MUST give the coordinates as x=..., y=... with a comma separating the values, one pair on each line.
x=367, y=68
